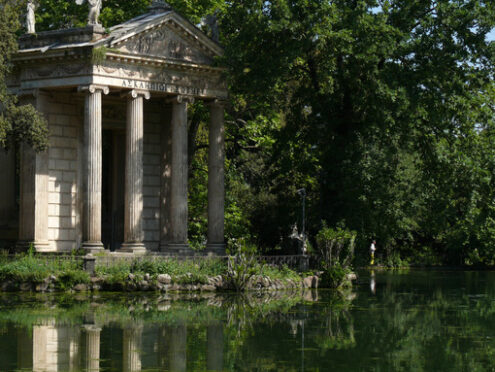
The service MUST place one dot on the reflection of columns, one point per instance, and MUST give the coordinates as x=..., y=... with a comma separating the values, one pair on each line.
x=178, y=182
x=133, y=229
x=131, y=349
x=93, y=167
x=92, y=348
x=214, y=361
x=216, y=179
x=166, y=172
x=178, y=348
x=55, y=348
x=33, y=209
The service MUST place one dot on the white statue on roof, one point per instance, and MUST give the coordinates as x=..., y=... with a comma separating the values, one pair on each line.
x=30, y=19
x=94, y=10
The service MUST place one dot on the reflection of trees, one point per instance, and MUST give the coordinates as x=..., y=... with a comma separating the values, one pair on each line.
x=431, y=327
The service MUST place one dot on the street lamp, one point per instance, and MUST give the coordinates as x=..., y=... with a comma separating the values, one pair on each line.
x=302, y=193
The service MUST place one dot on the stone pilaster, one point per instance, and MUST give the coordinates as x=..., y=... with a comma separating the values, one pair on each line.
x=216, y=181
x=92, y=348
x=33, y=208
x=178, y=181
x=92, y=171
x=133, y=226
x=166, y=173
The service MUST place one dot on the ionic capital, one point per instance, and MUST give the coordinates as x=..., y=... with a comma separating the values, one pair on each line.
x=180, y=99
x=135, y=93
x=92, y=88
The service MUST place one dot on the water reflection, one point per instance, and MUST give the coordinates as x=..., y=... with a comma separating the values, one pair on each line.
x=442, y=321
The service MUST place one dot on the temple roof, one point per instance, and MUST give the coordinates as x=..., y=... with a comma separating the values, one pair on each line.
x=163, y=34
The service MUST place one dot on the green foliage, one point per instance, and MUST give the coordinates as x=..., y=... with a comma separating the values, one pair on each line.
x=241, y=268
x=35, y=269
x=336, y=246
x=335, y=276
x=181, y=271
x=17, y=123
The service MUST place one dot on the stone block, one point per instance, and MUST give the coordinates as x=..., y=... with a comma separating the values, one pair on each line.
x=54, y=198
x=70, y=131
x=56, y=130
x=151, y=181
x=62, y=164
x=70, y=154
x=69, y=176
x=151, y=202
x=55, y=153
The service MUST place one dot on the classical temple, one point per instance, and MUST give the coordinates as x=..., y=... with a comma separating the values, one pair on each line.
x=115, y=175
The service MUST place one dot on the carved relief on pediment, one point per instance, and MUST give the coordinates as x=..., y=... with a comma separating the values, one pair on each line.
x=165, y=43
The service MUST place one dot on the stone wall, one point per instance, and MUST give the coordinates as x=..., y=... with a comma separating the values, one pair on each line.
x=151, y=172
x=65, y=119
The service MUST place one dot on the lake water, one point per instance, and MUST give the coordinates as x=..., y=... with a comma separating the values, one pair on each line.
x=391, y=321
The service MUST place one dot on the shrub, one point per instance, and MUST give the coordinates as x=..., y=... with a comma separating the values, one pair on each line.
x=336, y=246
x=241, y=268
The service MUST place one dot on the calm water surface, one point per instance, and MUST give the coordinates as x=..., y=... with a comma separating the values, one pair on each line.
x=402, y=321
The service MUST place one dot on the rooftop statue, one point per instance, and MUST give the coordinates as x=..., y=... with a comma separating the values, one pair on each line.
x=94, y=10
x=30, y=19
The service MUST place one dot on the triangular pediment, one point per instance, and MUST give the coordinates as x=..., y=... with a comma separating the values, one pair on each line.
x=167, y=36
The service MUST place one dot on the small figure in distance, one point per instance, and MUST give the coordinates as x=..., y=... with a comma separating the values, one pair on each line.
x=372, y=252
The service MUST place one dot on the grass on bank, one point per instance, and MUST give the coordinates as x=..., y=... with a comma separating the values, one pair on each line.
x=68, y=271
x=35, y=269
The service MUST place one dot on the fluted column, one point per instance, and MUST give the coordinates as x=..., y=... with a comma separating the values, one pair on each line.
x=93, y=167
x=133, y=226
x=178, y=180
x=216, y=180
x=92, y=348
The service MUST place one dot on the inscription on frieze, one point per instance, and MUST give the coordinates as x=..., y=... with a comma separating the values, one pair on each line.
x=163, y=87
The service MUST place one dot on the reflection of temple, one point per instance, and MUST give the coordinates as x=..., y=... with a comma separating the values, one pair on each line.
x=53, y=347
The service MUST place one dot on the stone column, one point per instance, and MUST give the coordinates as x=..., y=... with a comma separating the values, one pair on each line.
x=133, y=226
x=33, y=208
x=178, y=180
x=216, y=181
x=92, y=170
x=92, y=348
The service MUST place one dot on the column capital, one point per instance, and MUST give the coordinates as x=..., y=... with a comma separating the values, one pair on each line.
x=135, y=93
x=92, y=88
x=180, y=99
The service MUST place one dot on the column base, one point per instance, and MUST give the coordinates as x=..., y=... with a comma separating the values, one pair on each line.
x=38, y=246
x=135, y=248
x=215, y=249
x=93, y=247
x=178, y=249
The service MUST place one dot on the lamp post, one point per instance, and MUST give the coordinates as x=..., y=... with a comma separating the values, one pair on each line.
x=302, y=193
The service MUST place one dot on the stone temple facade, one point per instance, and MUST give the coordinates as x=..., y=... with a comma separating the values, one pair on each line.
x=116, y=172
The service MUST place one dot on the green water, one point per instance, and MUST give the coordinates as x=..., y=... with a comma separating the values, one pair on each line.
x=407, y=321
